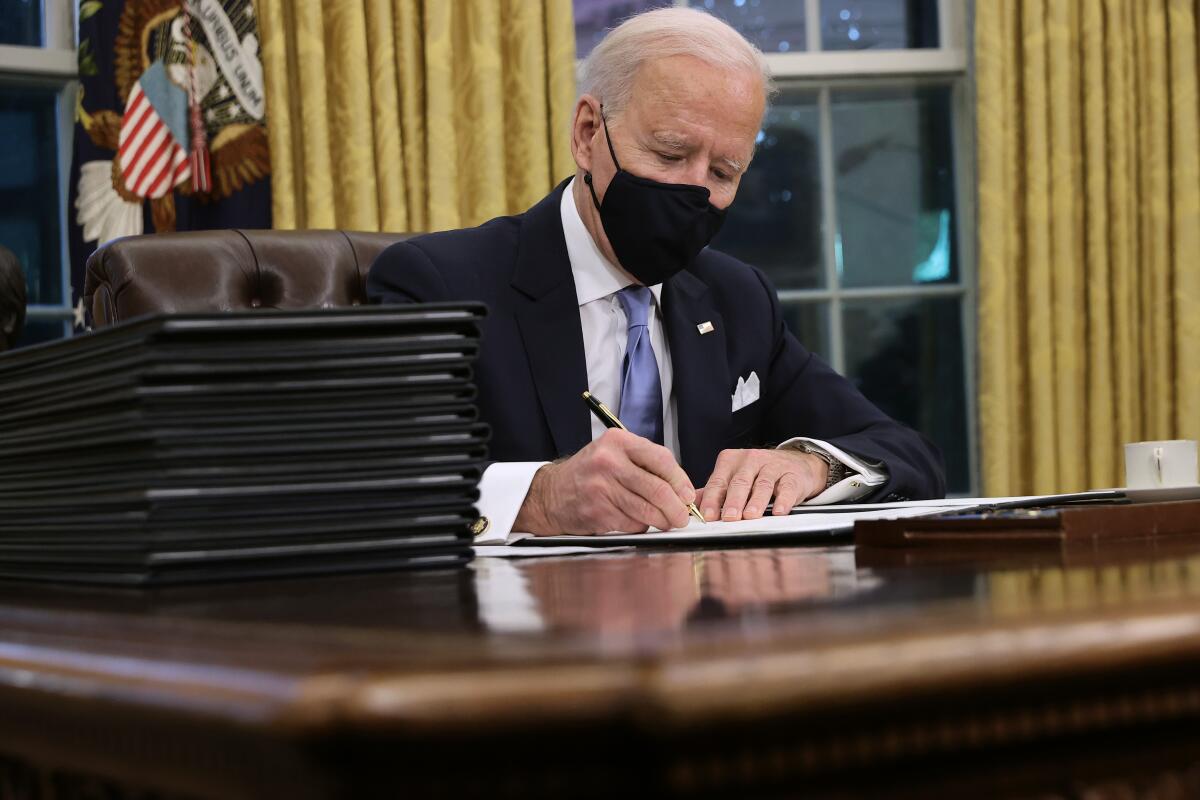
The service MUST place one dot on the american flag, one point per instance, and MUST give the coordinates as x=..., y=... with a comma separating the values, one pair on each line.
x=153, y=145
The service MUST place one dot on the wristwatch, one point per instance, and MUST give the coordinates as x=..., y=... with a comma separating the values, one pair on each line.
x=837, y=470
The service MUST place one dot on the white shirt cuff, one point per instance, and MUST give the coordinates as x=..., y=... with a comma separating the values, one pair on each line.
x=502, y=491
x=862, y=479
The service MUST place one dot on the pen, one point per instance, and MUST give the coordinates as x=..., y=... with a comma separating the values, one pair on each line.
x=610, y=421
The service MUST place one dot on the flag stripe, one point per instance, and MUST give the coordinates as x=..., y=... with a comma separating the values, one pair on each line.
x=135, y=117
x=155, y=164
x=161, y=172
x=135, y=103
x=137, y=144
x=166, y=179
x=134, y=163
x=140, y=160
x=138, y=131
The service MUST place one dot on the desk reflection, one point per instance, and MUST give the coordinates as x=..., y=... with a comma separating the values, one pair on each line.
x=636, y=593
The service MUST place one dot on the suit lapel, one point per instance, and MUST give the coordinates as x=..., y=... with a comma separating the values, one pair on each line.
x=701, y=373
x=549, y=323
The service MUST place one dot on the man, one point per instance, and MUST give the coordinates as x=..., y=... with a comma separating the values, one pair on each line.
x=12, y=299
x=606, y=285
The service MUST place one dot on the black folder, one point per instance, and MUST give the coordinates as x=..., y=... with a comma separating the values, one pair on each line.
x=199, y=447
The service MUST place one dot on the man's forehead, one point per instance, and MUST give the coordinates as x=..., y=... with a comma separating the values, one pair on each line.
x=725, y=98
x=683, y=76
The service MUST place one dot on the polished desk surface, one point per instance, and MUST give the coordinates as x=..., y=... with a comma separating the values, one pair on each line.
x=683, y=672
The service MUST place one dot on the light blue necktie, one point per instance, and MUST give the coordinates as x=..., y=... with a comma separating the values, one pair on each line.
x=641, y=390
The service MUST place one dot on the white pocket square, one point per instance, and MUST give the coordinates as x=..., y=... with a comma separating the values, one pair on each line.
x=746, y=391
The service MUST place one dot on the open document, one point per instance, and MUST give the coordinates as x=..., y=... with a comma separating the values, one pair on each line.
x=823, y=524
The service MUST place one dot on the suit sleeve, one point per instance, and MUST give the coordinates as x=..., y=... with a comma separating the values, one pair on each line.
x=806, y=397
x=403, y=273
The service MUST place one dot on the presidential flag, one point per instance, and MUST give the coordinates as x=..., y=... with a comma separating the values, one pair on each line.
x=170, y=129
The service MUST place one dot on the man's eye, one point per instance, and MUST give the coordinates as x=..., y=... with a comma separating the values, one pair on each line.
x=721, y=175
x=670, y=157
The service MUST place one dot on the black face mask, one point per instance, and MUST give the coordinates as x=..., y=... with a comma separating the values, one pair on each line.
x=655, y=229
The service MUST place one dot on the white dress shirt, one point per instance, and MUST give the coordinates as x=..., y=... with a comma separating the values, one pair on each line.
x=504, y=485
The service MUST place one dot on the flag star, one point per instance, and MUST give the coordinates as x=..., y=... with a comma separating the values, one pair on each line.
x=78, y=315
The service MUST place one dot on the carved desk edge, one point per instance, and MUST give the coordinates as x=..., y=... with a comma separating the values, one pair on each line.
x=869, y=699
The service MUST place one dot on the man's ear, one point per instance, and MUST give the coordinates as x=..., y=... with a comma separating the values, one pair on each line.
x=585, y=126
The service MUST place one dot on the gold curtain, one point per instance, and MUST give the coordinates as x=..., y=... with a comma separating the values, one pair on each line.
x=1089, y=236
x=415, y=115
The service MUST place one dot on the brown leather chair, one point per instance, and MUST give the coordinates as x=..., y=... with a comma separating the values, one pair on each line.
x=228, y=270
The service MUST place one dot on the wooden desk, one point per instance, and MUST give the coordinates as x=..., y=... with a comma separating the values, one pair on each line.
x=734, y=673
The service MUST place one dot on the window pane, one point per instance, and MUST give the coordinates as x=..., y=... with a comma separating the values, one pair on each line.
x=878, y=24
x=894, y=176
x=29, y=193
x=809, y=321
x=775, y=221
x=41, y=330
x=775, y=26
x=907, y=357
x=21, y=22
x=593, y=18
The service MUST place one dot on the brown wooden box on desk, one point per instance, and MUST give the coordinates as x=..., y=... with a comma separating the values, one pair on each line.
x=1072, y=533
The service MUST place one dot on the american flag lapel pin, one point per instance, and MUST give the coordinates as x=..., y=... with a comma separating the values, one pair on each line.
x=705, y=327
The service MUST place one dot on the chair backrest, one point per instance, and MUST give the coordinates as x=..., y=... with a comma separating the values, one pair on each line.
x=227, y=270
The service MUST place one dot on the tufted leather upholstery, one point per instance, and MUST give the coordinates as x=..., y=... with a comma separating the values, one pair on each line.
x=227, y=270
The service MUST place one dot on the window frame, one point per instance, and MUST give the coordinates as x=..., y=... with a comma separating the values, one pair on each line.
x=54, y=65
x=823, y=71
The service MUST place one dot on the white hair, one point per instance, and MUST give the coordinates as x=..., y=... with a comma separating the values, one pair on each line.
x=609, y=71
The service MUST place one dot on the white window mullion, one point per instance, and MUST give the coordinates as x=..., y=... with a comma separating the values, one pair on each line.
x=829, y=225
x=858, y=63
x=66, y=135
x=812, y=26
x=874, y=292
x=58, y=24
x=952, y=27
x=36, y=62
x=963, y=154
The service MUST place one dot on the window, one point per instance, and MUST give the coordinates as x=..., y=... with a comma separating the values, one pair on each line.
x=37, y=68
x=858, y=201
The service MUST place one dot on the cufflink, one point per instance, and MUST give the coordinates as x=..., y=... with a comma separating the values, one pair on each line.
x=480, y=525
x=705, y=327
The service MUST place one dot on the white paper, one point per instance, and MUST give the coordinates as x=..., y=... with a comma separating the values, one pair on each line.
x=836, y=519
x=766, y=527
x=511, y=551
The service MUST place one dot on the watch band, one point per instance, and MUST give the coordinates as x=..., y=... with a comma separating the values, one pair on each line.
x=837, y=470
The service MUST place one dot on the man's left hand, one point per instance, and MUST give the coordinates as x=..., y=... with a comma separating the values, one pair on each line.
x=744, y=481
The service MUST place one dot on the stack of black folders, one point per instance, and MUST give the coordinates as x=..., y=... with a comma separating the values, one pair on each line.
x=204, y=447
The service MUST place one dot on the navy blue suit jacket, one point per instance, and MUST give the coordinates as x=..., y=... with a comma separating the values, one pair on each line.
x=531, y=367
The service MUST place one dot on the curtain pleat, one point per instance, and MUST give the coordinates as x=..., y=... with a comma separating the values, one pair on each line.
x=415, y=115
x=1089, y=231
x=1182, y=36
x=1068, y=320
x=1099, y=313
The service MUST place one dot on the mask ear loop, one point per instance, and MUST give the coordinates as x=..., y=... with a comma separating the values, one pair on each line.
x=587, y=176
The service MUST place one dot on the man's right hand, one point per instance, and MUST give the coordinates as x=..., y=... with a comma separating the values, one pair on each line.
x=619, y=482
